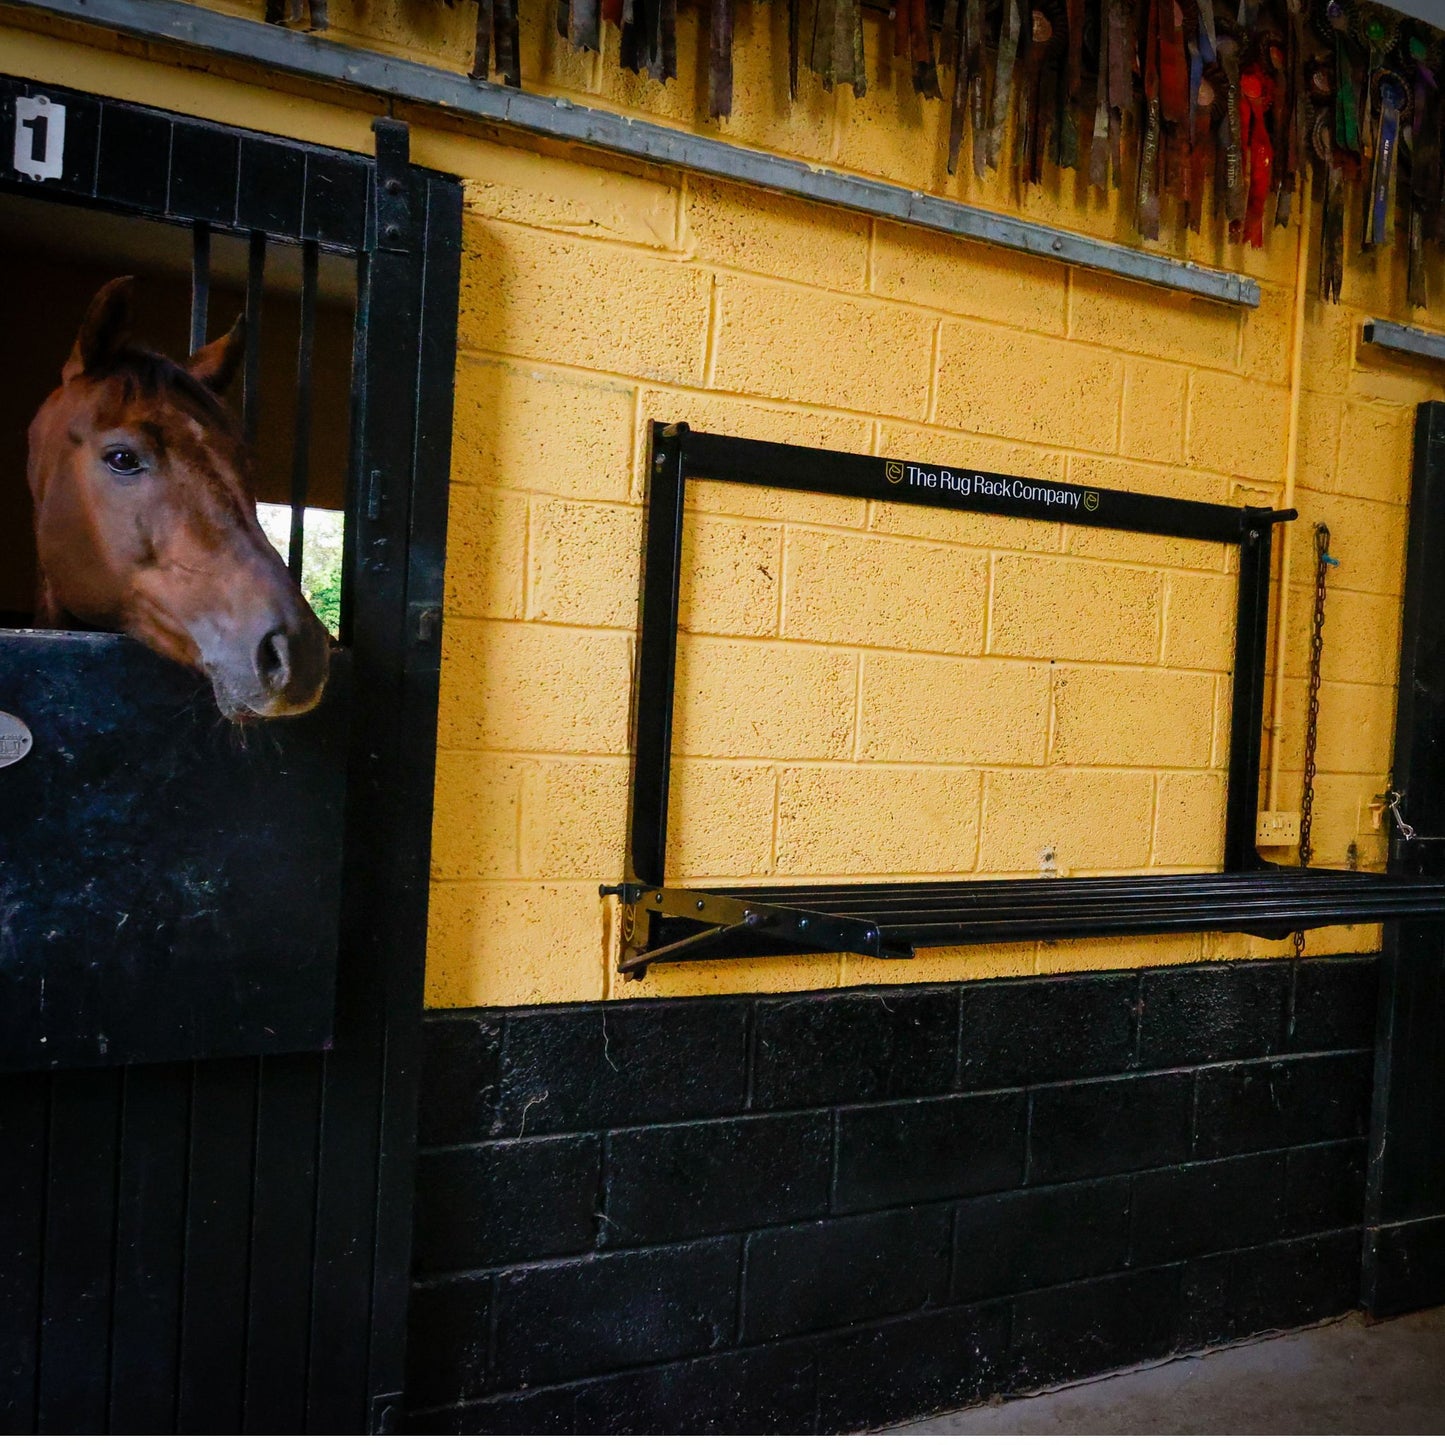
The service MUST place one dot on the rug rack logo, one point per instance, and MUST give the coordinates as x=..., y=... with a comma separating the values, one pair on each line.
x=990, y=486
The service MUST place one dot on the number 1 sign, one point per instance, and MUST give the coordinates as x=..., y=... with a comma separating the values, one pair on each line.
x=39, y=137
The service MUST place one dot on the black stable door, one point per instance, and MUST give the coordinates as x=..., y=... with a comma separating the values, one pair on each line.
x=189, y=1241
x=1404, y=1257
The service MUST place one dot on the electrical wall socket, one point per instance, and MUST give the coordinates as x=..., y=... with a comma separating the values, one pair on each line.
x=1276, y=830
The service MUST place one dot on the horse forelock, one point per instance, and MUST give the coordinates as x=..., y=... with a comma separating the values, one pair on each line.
x=149, y=376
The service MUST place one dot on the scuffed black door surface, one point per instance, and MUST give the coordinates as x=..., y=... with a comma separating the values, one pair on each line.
x=169, y=882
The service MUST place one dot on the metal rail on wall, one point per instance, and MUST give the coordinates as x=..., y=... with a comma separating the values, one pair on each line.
x=561, y=119
x=668, y=924
x=1411, y=340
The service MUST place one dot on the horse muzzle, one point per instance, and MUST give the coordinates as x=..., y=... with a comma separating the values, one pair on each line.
x=281, y=674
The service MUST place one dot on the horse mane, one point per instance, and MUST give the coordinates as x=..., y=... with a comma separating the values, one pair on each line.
x=151, y=376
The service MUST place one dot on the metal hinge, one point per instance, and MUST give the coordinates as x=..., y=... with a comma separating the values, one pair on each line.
x=392, y=193
x=386, y=1416
x=425, y=620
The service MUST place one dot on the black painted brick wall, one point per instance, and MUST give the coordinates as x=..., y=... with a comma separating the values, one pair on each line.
x=830, y=1212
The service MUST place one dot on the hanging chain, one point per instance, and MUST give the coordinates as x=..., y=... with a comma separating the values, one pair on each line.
x=1323, y=562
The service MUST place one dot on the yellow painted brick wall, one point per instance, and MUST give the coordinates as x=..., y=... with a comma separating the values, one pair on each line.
x=873, y=690
x=865, y=690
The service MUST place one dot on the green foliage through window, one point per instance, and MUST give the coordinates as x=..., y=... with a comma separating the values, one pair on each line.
x=320, y=556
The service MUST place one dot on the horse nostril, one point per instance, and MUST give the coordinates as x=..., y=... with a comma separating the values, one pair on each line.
x=273, y=661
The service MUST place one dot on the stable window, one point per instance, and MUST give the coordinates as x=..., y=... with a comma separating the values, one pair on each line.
x=193, y=280
x=664, y=922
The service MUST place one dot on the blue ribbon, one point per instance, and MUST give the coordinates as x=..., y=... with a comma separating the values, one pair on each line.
x=1391, y=99
x=1207, y=46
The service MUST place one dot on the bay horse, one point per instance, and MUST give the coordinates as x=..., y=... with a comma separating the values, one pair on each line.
x=145, y=518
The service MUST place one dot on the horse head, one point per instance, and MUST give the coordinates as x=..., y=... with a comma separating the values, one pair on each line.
x=145, y=518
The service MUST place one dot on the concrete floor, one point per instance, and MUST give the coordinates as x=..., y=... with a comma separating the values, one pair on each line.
x=1345, y=1378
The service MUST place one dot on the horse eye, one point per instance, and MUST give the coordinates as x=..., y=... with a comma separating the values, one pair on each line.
x=122, y=461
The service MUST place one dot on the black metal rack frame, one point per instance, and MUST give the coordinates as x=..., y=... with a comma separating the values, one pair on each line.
x=663, y=923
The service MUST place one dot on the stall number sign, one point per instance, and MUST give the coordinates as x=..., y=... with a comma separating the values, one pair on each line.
x=39, y=137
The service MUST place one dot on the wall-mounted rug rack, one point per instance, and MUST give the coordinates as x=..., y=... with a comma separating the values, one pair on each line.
x=669, y=924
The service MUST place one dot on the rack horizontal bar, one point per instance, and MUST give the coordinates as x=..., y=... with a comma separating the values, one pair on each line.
x=891, y=920
x=962, y=488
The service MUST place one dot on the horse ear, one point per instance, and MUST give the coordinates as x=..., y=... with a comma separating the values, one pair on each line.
x=216, y=363
x=105, y=330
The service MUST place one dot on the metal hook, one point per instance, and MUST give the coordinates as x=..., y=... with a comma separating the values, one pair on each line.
x=1392, y=802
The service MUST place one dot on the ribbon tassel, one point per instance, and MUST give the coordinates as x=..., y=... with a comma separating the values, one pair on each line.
x=1173, y=66
x=1147, y=188
x=925, y=67
x=825, y=21
x=963, y=61
x=795, y=21
x=1010, y=28
x=978, y=94
x=1332, y=212
x=1201, y=151
x=1208, y=42
x=1424, y=177
x=836, y=47
x=584, y=25
x=1296, y=115
x=860, y=72
x=719, y=58
x=1028, y=161
x=1256, y=94
x=507, y=38
x=1103, y=114
x=497, y=36
x=1121, y=84
x=1347, y=113
x=649, y=37
x=482, y=55
x=1235, y=185
x=1387, y=141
